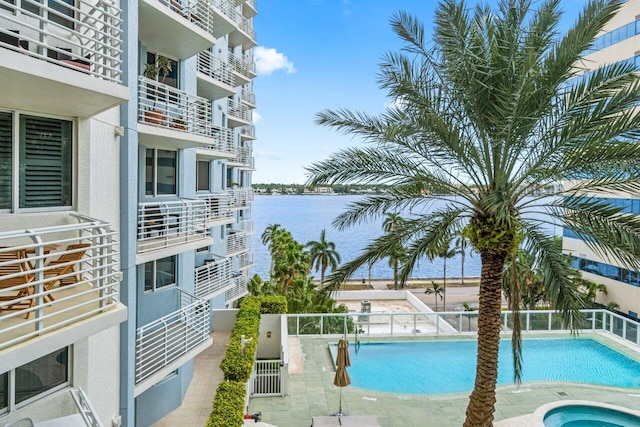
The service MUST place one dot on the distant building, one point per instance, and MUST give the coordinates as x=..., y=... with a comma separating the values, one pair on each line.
x=618, y=42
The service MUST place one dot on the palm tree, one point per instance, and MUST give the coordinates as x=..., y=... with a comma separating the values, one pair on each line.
x=461, y=245
x=590, y=291
x=266, y=240
x=437, y=291
x=485, y=113
x=445, y=252
x=396, y=253
x=323, y=255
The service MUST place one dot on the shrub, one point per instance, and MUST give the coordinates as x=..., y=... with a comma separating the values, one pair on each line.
x=228, y=405
x=273, y=304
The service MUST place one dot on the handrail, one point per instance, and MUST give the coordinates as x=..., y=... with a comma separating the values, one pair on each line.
x=239, y=110
x=215, y=67
x=218, y=206
x=248, y=130
x=43, y=277
x=236, y=243
x=240, y=289
x=85, y=407
x=242, y=65
x=241, y=198
x=212, y=277
x=83, y=36
x=164, y=340
x=245, y=25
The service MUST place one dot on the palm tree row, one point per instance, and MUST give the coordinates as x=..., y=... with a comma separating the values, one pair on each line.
x=486, y=112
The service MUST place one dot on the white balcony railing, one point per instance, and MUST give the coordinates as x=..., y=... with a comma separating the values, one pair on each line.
x=243, y=66
x=243, y=156
x=83, y=36
x=227, y=7
x=212, y=278
x=239, y=289
x=245, y=25
x=215, y=67
x=245, y=260
x=236, y=243
x=247, y=96
x=199, y=12
x=248, y=131
x=238, y=110
x=164, y=340
x=53, y=277
x=246, y=226
x=218, y=207
x=240, y=199
x=171, y=223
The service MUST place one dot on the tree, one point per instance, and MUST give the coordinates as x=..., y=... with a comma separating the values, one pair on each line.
x=590, y=290
x=445, y=252
x=461, y=247
x=522, y=282
x=437, y=291
x=265, y=238
x=486, y=113
x=323, y=255
x=396, y=253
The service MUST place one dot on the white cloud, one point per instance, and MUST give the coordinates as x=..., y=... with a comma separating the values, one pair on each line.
x=256, y=116
x=269, y=60
x=267, y=155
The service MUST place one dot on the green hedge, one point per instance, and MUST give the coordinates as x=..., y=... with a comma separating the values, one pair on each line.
x=228, y=405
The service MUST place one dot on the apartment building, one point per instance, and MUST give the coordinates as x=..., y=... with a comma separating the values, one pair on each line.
x=618, y=42
x=125, y=199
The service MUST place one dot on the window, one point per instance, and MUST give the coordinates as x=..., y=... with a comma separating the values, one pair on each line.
x=44, y=155
x=35, y=379
x=159, y=273
x=202, y=177
x=160, y=172
x=171, y=79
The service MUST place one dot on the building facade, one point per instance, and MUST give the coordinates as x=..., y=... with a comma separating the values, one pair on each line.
x=125, y=198
x=618, y=42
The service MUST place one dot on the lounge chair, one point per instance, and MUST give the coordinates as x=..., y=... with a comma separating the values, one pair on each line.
x=64, y=265
x=14, y=263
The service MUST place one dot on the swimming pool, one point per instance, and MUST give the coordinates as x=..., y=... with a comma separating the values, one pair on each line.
x=583, y=415
x=439, y=367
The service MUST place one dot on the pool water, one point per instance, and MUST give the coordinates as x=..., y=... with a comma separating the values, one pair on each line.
x=589, y=416
x=439, y=367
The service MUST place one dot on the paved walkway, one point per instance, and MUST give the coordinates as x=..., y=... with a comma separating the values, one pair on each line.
x=197, y=403
x=312, y=393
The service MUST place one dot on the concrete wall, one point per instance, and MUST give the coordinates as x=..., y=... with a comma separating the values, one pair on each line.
x=224, y=319
x=269, y=347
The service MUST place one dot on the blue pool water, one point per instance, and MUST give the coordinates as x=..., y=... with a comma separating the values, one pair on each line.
x=439, y=367
x=589, y=416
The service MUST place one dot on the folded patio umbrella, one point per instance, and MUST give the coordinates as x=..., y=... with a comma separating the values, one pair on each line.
x=342, y=377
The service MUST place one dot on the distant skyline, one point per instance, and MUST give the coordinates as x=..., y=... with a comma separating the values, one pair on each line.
x=322, y=54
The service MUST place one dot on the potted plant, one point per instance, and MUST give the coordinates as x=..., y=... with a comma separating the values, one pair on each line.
x=178, y=123
x=157, y=71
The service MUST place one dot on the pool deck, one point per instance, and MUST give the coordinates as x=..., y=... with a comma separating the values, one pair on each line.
x=312, y=393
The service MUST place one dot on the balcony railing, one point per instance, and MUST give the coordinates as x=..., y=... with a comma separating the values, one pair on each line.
x=240, y=199
x=171, y=223
x=245, y=260
x=215, y=67
x=227, y=7
x=212, y=278
x=243, y=66
x=247, y=96
x=238, y=110
x=239, y=289
x=246, y=226
x=218, y=207
x=53, y=277
x=236, y=243
x=83, y=36
x=198, y=12
x=245, y=25
x=248, y=131
x=242, y=156
x=164, y=340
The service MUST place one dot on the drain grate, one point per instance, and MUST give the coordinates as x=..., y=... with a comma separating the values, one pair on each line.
x=562, y=393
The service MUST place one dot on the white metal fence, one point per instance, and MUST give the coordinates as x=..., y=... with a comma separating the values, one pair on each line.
x=238, y=110
x=171, y=223
x=463, y=322
x=52, y=277
x=248, y=131
x=241, y=198
x=245, y=25
x=218, y=207
x=213, y=278
x=198, y=12
x=266, y=379
x=81, y=35
x=245, y=260
x=215, y=67
x=236, y=243
x=166, y=339
x=243, y=66
x=239, y=289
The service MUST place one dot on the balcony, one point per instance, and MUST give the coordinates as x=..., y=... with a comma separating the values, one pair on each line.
x=71, y=53
x=170, y=117
x=245, y=260
x=240, y=199
x=181, y=29
x=249, y=9
x=218, y=209
x=57, y=285
x=248, y=98
x=222, y=146
x=167, y=343
x=213, y=278
x=246, y=226
x=239, y=289
x=242, y=158
x=245, y=35
x=215, y=76
x=239, y=114
x=236, y=243
x=244, y=69
x=168, y=228
x=248, y=132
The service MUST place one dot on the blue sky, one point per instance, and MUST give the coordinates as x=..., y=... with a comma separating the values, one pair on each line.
x=321, y=54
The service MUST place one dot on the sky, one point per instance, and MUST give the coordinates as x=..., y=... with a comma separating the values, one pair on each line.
x=314, y=55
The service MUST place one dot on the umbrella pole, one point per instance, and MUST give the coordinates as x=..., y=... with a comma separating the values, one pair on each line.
x=340, y=409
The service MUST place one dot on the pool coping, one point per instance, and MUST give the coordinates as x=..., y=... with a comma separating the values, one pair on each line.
x=537, y=418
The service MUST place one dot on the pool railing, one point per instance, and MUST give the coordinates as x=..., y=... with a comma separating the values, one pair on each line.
x=454, y=323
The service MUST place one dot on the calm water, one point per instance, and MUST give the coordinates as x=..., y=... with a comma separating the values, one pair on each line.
x=306, y=216
x=421, y=367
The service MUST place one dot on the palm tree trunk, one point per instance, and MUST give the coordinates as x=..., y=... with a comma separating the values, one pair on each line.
x=395, y=275
x=444, y=286
x=483, y=398
x=462, y=253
